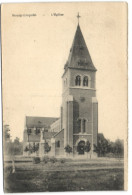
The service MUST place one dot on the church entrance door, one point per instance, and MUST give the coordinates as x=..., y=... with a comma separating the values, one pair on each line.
x=81, y=147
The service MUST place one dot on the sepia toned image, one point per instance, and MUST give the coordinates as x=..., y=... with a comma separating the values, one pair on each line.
x=64, y=96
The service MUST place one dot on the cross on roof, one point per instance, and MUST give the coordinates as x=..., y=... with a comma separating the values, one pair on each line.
x=78, y=16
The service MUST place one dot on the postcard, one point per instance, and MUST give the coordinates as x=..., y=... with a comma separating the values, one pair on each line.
x=64, y=96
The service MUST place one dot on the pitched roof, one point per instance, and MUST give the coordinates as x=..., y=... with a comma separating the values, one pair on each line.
x=57, y=133
x=33, y=121
x=79, y=56
x=48, y=135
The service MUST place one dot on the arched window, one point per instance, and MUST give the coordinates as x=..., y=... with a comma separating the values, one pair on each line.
x=37, y=131
x=85, y=81
x=78, y=81
x=58, y=144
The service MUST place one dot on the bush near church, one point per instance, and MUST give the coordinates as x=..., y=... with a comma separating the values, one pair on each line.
x=47, y=148
x=36, y=160
x=32, y=148
x=53, y=159
x=107, y=148
x=45, y=159
x=68, y=149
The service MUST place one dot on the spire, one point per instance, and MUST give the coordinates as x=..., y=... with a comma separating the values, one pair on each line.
x=78, y=16
x=79, y=56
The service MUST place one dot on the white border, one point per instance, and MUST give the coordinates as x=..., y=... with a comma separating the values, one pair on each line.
x=129, y=98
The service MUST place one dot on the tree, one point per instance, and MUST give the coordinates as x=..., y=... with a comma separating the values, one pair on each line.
x=17, y=146
x=87, y=147
x=11, y=147
x=16, y=141
x=68, y=149
x=32, y=148
x=47, y=148
x=118, y=148
x=103, y=146
x=7, y=143
x=6, y=133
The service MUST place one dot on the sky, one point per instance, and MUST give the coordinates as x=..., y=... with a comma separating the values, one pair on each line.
x=36, y=48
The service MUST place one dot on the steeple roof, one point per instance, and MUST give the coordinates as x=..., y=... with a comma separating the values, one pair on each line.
x=79, y=56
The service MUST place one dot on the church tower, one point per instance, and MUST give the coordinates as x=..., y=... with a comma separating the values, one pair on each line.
x=79, y=111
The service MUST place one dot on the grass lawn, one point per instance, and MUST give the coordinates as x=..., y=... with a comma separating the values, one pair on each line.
x=63, y=177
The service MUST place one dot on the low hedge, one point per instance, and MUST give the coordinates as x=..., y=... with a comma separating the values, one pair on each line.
x=53, y=160
x=45, y=159
x=36, y=160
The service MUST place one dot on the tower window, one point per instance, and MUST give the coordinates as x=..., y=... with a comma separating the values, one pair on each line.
x=84, y=126
x=79, y=125
x=78, y=81
x=85, y=81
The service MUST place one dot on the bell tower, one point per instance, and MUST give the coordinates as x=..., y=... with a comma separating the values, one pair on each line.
x=79, y=113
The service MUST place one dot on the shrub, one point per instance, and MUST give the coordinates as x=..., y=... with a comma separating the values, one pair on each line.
x=62, y=160
x=26, y=149
x=110, y=155
x=53, y=160
x=68, y=149
x=45, y=159
x=36, y=160
x=47, y=148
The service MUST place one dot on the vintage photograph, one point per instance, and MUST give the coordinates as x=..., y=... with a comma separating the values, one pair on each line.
x=64, y=96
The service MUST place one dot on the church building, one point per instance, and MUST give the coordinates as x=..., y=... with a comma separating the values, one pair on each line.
x=78, y=122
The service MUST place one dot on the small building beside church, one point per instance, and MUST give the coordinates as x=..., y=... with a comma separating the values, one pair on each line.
x=78, y=122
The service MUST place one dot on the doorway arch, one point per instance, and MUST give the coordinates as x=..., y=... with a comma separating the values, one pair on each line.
x=81, y=147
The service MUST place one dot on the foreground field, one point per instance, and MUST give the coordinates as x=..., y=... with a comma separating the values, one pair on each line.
x=70, y=176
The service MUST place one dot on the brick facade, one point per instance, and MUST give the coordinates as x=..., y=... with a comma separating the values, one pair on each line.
x=79, y=104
